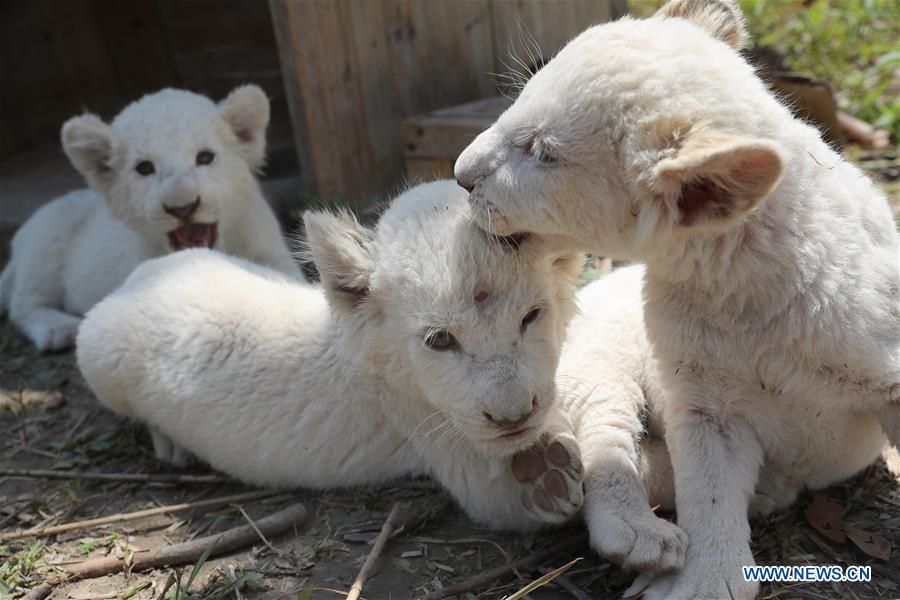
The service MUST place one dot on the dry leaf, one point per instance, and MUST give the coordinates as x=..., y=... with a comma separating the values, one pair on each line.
x=825, y=517
x=16, y=401
x=870, y=543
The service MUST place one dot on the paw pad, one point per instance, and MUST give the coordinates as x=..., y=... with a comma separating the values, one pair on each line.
x=551, y=476
x=557, y=454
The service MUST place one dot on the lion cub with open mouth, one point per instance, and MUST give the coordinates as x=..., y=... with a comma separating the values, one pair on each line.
x=173, y=170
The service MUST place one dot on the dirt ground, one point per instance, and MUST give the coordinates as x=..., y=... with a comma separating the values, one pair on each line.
x=50, y=420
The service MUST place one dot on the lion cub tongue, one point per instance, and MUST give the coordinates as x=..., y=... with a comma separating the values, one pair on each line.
x=193, y=235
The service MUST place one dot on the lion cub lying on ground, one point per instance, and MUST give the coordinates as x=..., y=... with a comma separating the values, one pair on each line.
x=430, y=348
x=772, y=266
x=402, y=362
x=173, y=170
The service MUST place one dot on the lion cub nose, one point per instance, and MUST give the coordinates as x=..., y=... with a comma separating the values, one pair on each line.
x=183, y=211
x=510, y=423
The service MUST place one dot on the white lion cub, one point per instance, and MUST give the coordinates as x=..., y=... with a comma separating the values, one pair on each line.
x=173, y=170
x=772, y=266
x=430, y=347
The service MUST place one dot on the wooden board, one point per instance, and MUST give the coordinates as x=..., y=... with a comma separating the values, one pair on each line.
x=355, y=70
x=439, y=136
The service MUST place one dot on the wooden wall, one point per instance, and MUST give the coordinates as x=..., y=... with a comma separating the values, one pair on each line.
x=355, y=69
x=350, y=71
x=59, y=57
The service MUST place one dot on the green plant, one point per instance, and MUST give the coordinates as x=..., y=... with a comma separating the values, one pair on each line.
x=18, y=570
x=851, y=44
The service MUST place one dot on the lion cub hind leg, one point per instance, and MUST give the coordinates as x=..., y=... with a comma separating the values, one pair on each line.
x=550, y=474
x=889, y=417
x=167, y=450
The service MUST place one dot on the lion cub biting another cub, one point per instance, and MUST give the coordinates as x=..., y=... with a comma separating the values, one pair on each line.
x=430, y=348
x=173, y=170
x=772, y=266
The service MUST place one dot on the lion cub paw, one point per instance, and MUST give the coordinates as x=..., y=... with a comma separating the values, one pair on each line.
x=54, y=334
x=551, y=474
x=639, y=541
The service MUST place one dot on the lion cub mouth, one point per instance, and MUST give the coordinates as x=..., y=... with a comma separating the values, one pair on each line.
x=515, y=431
x=193, y=235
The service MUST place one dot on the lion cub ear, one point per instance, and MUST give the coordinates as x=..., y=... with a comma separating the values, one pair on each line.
x=715, y=178
x=246, y=110
x=344, y=254
x=722, y=19
x=88, y=142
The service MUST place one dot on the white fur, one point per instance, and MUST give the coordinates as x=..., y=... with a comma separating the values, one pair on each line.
x=609, y=387
x=283, y=384
x=80, y=247
x=772, y=263
x=286, y=385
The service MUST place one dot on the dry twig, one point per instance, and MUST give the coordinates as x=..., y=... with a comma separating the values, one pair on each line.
x=258, y=532
x=543, y=580
x=52, y=529
x=568, y=585
x=492, y=574
x=180, y=554
x=388, y=527
x=141, y=477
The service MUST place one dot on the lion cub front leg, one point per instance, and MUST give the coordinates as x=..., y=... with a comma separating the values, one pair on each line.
x=621, y=469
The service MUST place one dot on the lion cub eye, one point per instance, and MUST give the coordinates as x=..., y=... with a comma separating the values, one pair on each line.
x=545, y=157
x=530, y=318
x=539, y=150
x=145, y=167
x=441, y=340
x=204, y=157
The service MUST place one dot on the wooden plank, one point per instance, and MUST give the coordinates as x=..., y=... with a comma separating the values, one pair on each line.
x=290, y=73
x=446, y=135
x=422, y=43
x=354, y=71
x=433, y=141
x=427, y=138
x=322, y=87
